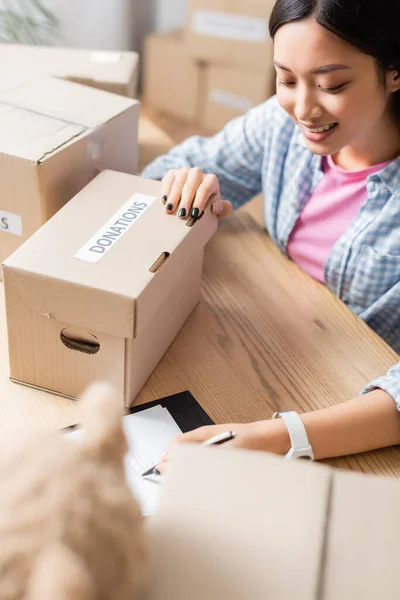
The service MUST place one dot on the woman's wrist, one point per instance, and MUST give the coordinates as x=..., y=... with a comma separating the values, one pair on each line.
x=272, y=436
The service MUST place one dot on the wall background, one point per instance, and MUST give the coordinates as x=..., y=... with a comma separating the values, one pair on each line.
x=170, y=14
x=116, y=24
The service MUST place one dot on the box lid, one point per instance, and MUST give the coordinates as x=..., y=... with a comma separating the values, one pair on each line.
x=28, y=135
x=39, y=116
x=90, y=263
x=70, y=102
x=101, y=66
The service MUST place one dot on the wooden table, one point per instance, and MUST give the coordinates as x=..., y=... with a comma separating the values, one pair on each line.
x=264, y=336
x=152, y=142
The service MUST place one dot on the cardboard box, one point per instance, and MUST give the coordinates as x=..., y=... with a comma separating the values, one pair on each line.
x=232, y=92
x=55, y=136
x=173, y=82
x=233, y=33
x=235, y=524
x=238, y=524
x=102, y=289
x=115, y=72
x=363, y=544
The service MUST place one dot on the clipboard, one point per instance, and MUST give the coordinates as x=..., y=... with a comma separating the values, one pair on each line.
x=183, y=408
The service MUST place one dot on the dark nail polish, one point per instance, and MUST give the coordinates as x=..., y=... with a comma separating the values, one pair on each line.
x=164, y=199
x=195, y=213
x=182, y=212
x=169, y=206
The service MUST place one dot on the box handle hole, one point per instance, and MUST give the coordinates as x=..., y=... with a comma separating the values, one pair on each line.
x=160, y=262
x=78, y=340
x=192, y=221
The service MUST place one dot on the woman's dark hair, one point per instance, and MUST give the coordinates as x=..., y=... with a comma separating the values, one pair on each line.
x=372, y=26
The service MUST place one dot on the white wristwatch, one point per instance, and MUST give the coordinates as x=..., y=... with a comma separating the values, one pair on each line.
x=298, y=436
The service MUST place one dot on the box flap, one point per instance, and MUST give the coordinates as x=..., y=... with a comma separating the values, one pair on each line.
x=71, y=102
x=239, y=525
x=102, y=66
x=32, y=136
x=363, y=541
x=10, y=78
x=90, y=263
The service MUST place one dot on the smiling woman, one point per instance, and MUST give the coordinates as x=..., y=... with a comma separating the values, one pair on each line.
x=325, y=152
x=326, y=96
x=310, y=130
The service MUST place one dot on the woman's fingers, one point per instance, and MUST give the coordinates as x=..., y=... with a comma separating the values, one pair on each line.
x=207, y=188
x=198, y=436
x=188, y=191
x=167, y=184
x=174, y=196
x=222, y=208
x=194, y=180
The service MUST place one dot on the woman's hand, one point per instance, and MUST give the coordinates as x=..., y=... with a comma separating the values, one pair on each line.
x=268, y=436
x=188, y=191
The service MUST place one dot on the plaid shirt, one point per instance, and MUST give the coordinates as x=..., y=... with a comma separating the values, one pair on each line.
x=264, y=151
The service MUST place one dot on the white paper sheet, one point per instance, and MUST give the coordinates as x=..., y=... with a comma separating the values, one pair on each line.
x=149, y=433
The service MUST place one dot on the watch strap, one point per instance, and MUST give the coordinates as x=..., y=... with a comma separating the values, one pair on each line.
x=300, y=446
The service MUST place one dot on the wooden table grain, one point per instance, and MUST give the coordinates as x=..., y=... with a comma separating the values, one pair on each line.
x=264, y=336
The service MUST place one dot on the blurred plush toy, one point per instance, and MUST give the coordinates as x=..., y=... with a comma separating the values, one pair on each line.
x=69, y=526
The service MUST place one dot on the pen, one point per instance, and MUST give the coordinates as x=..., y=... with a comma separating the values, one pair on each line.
x=217, y=440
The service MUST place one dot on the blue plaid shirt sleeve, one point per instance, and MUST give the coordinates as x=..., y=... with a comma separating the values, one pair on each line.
x=384, y=318
x=235, y=155
x=390, y=383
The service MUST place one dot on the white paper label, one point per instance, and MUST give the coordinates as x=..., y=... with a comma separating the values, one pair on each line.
x=231, y=27
x=231, y=100
x=115, y=228
x=105, y=57
x=93, y=150
x=10, y=223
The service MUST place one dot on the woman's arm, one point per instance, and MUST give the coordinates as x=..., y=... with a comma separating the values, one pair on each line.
x=364, y=423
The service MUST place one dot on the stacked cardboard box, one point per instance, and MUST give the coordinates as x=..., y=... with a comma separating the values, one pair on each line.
x=90, y=255
x=223, y=60
x=55, y=136
x=173, y=82
x=115, y=72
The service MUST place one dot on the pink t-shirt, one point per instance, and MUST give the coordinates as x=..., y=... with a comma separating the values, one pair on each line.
x=329, y=211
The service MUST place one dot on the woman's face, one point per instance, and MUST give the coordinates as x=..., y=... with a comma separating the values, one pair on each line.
x=325, y=82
